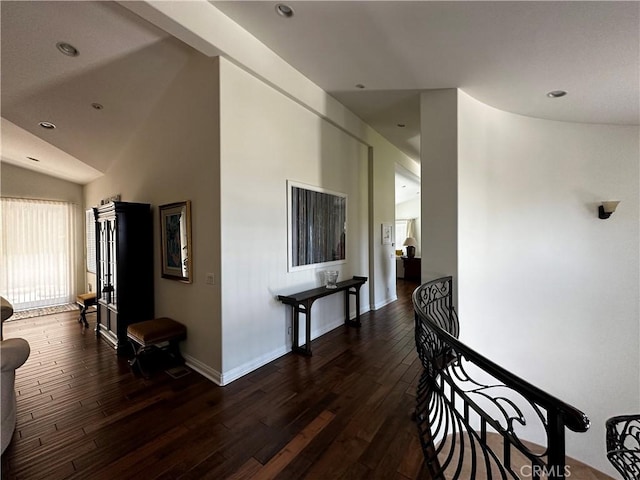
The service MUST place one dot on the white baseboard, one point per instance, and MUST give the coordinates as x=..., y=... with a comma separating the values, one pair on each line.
x=326, y=329
x=222, y=379
x=387, y=301
x=203, y=369
x=333, y=325
x=242, y=370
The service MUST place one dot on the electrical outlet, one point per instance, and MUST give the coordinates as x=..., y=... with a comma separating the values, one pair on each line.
x=210, y=279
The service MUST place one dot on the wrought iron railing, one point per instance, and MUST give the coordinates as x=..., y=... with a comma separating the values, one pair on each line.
x=623, y=445
x=472, y=414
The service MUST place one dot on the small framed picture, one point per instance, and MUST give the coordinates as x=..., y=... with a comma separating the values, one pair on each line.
x=175, y=238
x=387, y=233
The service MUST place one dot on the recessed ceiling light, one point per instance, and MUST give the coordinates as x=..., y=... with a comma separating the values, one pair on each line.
x=97, y=106
x=556, y=94
x=33, y=159
x=401, y=125
x=284, y=10
x=404, y=186
x=47, y=125
x=67, y=49
x=359, y=85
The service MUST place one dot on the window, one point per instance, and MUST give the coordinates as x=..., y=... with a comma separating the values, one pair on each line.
x=401, y=233
x=37, y=252
x=90, y=233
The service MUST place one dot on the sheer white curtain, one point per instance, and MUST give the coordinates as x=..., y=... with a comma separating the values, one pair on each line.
x=37, y=252
x=401, y=232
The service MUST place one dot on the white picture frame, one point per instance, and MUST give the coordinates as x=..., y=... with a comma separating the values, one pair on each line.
x=387, y=234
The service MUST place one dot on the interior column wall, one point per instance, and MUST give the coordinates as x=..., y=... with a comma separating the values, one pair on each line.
x=439, y=179
x=382, y=203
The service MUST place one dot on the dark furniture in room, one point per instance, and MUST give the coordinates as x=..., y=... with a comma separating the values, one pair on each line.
x=412, y=268
x=302, y=301
x=124, y=252
x=162, y=334
x=85, y=301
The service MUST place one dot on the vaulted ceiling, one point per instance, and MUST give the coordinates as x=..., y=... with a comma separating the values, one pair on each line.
x=505, y=54
x=124, y=64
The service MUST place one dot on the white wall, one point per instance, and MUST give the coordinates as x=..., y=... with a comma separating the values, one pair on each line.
x=439, y=178
x=175, y=157
x=22, y=183
x=382, y=210
x=267, y=139
x=546, y=288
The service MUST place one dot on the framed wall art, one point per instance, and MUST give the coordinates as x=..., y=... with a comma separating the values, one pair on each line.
x=317, y=227
x=387, y=233
x=175, y=241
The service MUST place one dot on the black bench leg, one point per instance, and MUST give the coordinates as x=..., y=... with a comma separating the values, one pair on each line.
x=135, y=361
x=83, y=314
x=174, y=351
x=83, y=317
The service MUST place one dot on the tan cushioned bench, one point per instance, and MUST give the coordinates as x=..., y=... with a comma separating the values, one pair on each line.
x=153, y=333
x=86, y=298
x=84, y=301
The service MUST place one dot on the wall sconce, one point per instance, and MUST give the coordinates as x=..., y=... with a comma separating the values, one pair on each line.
x=411, y=244
x=607, y=208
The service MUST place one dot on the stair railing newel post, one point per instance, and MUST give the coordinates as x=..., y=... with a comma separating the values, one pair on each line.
x=555, y=439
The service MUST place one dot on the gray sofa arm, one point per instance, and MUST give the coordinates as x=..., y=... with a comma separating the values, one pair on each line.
x=13, y=353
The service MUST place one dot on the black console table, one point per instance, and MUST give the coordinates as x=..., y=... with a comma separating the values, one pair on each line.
x=301, y=303
x=412, y=268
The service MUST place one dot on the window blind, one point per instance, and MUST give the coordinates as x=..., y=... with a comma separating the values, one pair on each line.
x=37, y=252
x=90, y=234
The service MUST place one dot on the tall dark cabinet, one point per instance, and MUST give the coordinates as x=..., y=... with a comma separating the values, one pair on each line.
x=124, y=250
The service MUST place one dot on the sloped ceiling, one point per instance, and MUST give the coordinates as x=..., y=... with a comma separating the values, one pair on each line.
x=506, y=54
x=125, y=64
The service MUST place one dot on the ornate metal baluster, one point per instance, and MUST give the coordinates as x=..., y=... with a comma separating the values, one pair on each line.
x=623, y=445
x=453, y=424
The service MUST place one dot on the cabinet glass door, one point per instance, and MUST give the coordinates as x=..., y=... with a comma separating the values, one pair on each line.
x=103, y=279
x=112, y=235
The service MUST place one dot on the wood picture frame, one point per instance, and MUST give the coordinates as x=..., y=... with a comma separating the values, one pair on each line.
x=175, y=241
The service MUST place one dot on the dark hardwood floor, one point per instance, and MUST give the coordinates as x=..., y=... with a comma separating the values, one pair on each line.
x=344, y=413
